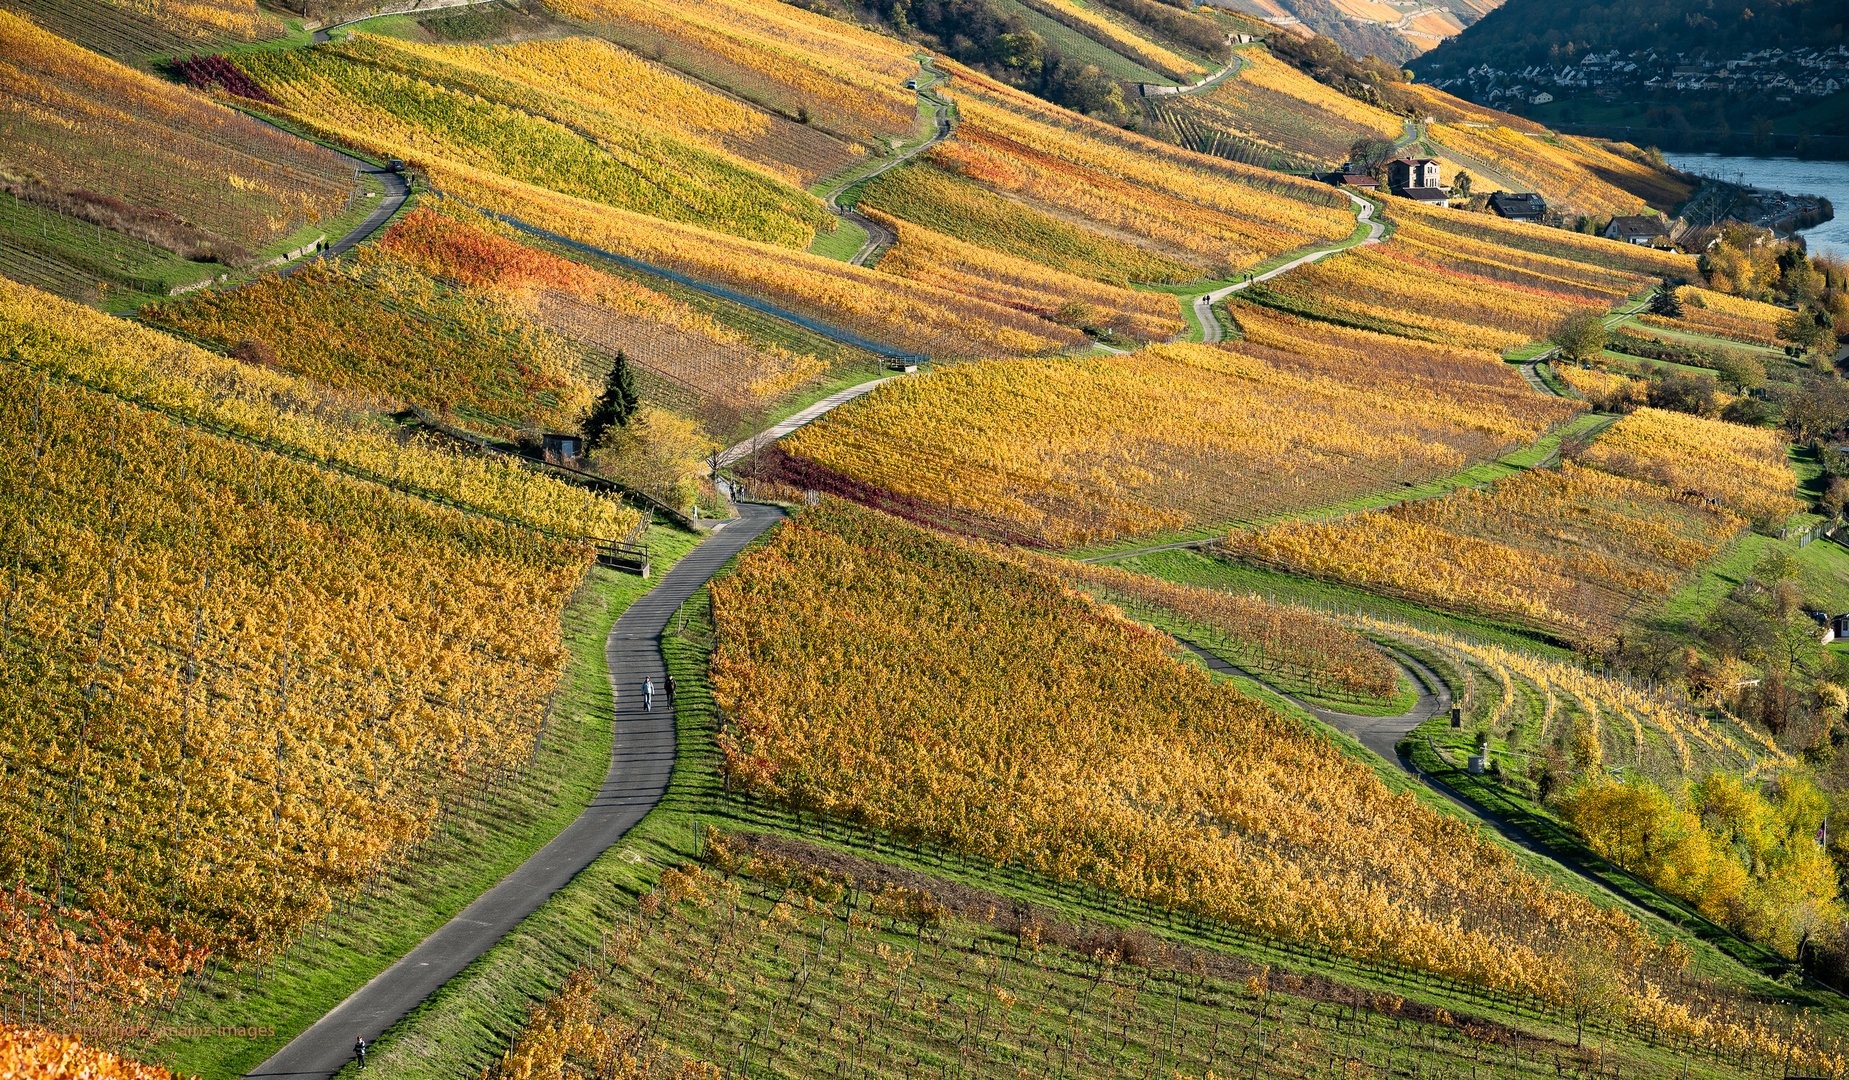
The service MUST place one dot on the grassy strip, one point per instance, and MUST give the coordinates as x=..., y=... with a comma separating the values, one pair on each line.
x=1521, y=354
x=479, y=845
x=1294, y=682
x=924, y=130
x=1823, y=579
x=128, y=273
x=1198, y=568
x=842, y=244
x=1552, y=380
x=1712, y=341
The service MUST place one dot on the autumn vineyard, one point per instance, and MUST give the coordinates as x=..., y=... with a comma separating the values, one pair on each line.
x=746, y=538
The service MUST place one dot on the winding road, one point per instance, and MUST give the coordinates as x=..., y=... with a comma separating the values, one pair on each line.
x=879, y=237
x=641, y=762
x=643, y=751
x=1211, y=329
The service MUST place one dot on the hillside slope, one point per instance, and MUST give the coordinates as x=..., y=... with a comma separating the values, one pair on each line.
x=1709, y=76
x=1394, y=30
x=315, y=626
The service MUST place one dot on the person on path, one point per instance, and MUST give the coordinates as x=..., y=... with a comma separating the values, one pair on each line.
x=670, y=689
x=648, y=694
x=359, y=1051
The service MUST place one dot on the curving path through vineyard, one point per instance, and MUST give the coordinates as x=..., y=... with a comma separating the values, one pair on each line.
x=396, y=192
x=1531, y=368
x=415, y=7
x=744, y=448
x=1382, y=735
x=641, y=761
x=1211, y=329
x=879, y=237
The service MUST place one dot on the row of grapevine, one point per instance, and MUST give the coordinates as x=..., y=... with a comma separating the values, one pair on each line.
x=238, y=684
x=857, y=971
x=191, y=175
x=1058, y=453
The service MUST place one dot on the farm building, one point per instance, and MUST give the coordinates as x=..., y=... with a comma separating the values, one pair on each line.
x=1417, y=179
x=1639, y=229
x=1523, y=206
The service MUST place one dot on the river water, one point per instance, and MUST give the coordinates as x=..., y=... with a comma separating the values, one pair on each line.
x=1829, y=179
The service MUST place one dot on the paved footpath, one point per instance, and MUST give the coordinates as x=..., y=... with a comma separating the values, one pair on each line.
x=879, y=237
x=740, y=450
x=396, y=192
x=640, y=764
x=1380, y=734
x=1212, y=331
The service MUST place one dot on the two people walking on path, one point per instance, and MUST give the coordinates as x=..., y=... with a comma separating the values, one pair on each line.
x=648, y=692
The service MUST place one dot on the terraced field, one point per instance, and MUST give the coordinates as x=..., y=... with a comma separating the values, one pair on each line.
x=1061, y=453
x=1272, y=105
x=142, y=157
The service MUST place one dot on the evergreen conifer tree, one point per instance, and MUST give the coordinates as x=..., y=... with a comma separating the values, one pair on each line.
x=615, y=407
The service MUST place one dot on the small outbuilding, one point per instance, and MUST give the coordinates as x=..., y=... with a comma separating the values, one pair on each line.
x=1351, y=179
x=1640, y=229
x=1518, y=206
x=562, y=446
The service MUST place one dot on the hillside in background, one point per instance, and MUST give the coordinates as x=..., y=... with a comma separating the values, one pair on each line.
x=1394, y=30
x=1727, y=75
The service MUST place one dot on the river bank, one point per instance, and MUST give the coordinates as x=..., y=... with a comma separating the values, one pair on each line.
x=1827, y=180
